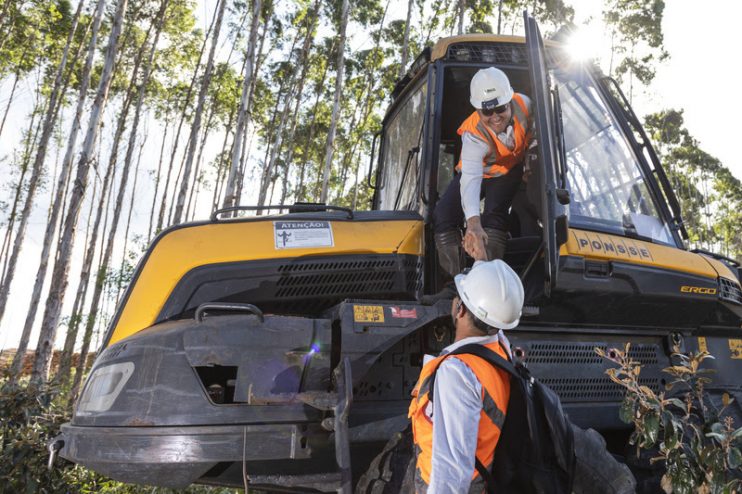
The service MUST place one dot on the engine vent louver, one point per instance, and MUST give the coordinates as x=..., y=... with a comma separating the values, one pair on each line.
x=729, y=291
x=577, y=374
x=580, y=353
x=575, y=389
x=301, y=286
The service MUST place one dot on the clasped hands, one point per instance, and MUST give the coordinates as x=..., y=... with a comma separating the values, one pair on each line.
x=475, y=239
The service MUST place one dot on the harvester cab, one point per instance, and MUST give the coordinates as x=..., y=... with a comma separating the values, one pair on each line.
x=281, y=349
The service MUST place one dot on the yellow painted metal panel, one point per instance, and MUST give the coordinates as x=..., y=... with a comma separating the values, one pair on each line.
x=183, y=249
x=721, y=268
x=616, y=248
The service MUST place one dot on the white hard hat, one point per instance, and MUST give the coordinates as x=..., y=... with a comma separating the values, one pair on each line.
x=490, y=88
x=492, y=292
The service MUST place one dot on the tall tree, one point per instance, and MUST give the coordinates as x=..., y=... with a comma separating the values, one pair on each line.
x=636, y=39
x=340, y=67
x=196, y=125
x=243, y=117
x=58, y=200
x=59, y=279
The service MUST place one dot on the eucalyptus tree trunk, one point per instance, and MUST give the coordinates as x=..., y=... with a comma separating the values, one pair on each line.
x=314, y=14
x=197, y=166
x=246, y=145
x=62, y=181
x=220, y=169
x=30, y=138
x=243, y=117
x=363, y=105
x=406, y=41
x=195, y=127
x=129, y=214
x=288, y=95
x=300, y=195
x=462, y=10
x=91, y=242
x=157, y=179
x=176, y=140
x=10, y=100
x=37, y=168
x=60, y=273
x=118, y=206
x=65, y=359
x=336, y=104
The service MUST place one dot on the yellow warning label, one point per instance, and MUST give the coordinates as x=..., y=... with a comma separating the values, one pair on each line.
x=368, y=313
x=702, y=344
x=735, y=346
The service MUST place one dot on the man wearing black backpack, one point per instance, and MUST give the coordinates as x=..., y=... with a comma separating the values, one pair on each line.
x=456, y=432
x=481, y=423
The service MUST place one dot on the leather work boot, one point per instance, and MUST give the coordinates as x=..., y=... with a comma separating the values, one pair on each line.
x=497, y=240
x=448, y=246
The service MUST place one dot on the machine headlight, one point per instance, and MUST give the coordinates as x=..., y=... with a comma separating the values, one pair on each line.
x=103, y=386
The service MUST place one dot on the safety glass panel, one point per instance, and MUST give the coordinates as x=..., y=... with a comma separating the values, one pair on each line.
x=608, y=190
x=401, y=155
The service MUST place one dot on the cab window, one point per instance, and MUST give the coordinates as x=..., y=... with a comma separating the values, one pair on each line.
x=401, y=153
x=608, y=190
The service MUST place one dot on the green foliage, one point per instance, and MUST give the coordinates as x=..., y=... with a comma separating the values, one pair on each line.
x=699, y=446
x=637, y=39
x=29, y=419
x=710, y=196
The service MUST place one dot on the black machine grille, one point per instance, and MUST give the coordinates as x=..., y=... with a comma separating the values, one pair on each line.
x=329, y=278
x=494, y=53
x=576, y=389
x=577, y=374
x=298, y=286
x=730, y=291
x=584, y=354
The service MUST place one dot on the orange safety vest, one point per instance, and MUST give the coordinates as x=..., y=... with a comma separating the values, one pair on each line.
x=499, y=160
x=495, y=395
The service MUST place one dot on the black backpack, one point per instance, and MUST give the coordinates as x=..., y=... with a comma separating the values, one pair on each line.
x=535, y=453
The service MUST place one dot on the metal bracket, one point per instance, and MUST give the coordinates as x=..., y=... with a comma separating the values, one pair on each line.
x=344, y=382
x=53, y=448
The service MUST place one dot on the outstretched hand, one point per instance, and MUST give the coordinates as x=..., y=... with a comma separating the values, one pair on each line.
x=475, y=239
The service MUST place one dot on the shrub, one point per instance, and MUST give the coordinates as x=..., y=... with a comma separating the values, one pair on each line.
x=28, y=421
x=699, y=446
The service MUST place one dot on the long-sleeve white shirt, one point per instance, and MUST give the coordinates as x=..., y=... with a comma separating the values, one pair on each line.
x=473, y=151
x=457, y=404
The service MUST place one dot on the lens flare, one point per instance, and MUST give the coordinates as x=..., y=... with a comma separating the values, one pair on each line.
x=585, y=43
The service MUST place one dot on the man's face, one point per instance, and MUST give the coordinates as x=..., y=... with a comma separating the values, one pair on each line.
x=497, y=121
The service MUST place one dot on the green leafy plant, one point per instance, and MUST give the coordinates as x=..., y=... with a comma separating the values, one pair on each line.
x=698, y=444
x=29, y=419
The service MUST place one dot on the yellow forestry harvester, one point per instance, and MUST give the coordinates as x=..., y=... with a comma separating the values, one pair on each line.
x=285, y=346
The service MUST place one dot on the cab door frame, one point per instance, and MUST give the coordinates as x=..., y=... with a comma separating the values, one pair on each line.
x=553, y=197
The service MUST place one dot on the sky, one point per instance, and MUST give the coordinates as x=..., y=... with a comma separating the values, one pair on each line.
x=700, y=77
x=702, y=74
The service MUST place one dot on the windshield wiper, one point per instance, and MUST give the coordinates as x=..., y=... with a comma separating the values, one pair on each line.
x=561, y=192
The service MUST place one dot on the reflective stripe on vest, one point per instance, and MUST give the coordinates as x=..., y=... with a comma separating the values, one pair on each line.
x=495, y=394
x=499, y=160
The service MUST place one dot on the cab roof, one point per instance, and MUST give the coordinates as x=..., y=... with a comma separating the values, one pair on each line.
x=440, y=49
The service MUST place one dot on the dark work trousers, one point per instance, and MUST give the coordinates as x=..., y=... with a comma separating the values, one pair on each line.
x=498, y=193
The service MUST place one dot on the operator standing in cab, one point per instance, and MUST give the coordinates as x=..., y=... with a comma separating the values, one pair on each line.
x=495, y=139
x=467, y=390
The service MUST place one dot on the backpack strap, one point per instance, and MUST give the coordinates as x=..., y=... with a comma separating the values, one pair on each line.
x=482, y=352
x=495, y=360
